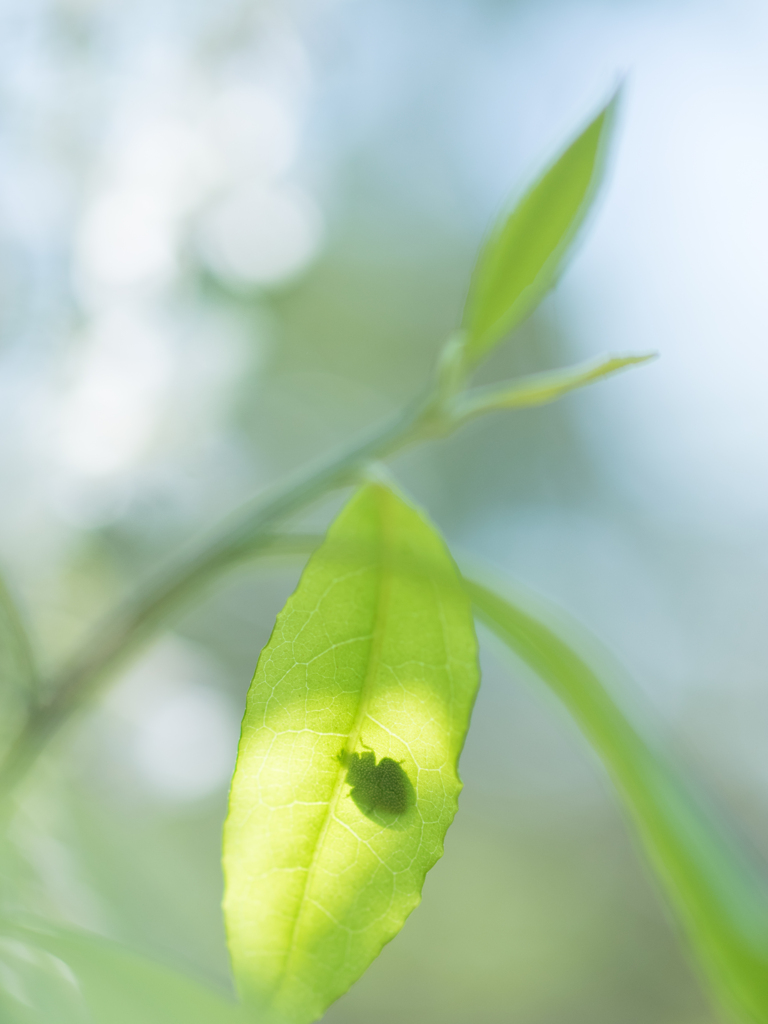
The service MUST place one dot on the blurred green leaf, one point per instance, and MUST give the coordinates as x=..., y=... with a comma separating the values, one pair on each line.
x=528, y=247
x=50, y=976
x=327, y=845
x=18, y=673
x=540, y=388
x=17, y=663
x=719, y=895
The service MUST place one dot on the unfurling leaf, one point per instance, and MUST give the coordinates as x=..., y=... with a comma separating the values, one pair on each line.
x=346, y=776
x=527, y=249
x=540, y=388
x=718, y=893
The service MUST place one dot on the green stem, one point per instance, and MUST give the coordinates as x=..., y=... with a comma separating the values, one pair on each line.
x=246, y=534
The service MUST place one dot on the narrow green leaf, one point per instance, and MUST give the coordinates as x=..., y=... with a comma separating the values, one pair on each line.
x=540, y=388
x=53, y=976
x=527, y=249
x=718, y=893
x=327, y=843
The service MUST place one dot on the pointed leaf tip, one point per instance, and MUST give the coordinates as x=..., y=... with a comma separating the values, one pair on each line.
x=346, y=776
x=528, y=247
x=542, y=388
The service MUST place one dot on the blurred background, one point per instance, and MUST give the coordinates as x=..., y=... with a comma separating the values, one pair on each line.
x=234, y=234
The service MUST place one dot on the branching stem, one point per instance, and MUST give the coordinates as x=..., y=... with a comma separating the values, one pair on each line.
x=248, y=533
x=251, y=532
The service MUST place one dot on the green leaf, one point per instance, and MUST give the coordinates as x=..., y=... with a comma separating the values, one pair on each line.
x=718, y=893
x=17, y=663
x=527, y=249
x=540, y=388
x=52, y=976
x=326, y=846
x=18, y=673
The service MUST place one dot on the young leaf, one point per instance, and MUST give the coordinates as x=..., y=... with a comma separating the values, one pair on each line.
x=527, y=249
x=346, y=776
x=540, y=388
x=51, y=975
x=719, y=895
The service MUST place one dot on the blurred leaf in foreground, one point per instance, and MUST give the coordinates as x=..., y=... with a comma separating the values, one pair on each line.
x=59, y=977
x=18, y=674
x=528, y=247
x=17, y=666
x=719, y=895
x=346, y=778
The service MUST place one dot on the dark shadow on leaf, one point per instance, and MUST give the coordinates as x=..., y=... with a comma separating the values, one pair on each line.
x=381, y=790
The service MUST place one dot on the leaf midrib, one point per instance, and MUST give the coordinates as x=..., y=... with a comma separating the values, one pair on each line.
x=382, y=607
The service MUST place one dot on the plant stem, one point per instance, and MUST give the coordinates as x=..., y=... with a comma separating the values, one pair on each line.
x=247, y=533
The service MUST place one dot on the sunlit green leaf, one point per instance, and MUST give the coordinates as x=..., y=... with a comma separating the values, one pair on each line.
x=540, y=388
x=719, y=895
x=51, y=976
x=325, y=850
x=527, y=249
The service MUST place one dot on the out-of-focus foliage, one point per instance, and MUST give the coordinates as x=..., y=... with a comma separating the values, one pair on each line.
x=373, y=657
x=51, y=975
x=720, y=896
x=18, y=673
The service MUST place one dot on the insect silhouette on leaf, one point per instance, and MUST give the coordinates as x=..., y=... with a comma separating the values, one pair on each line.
x=382, y=786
